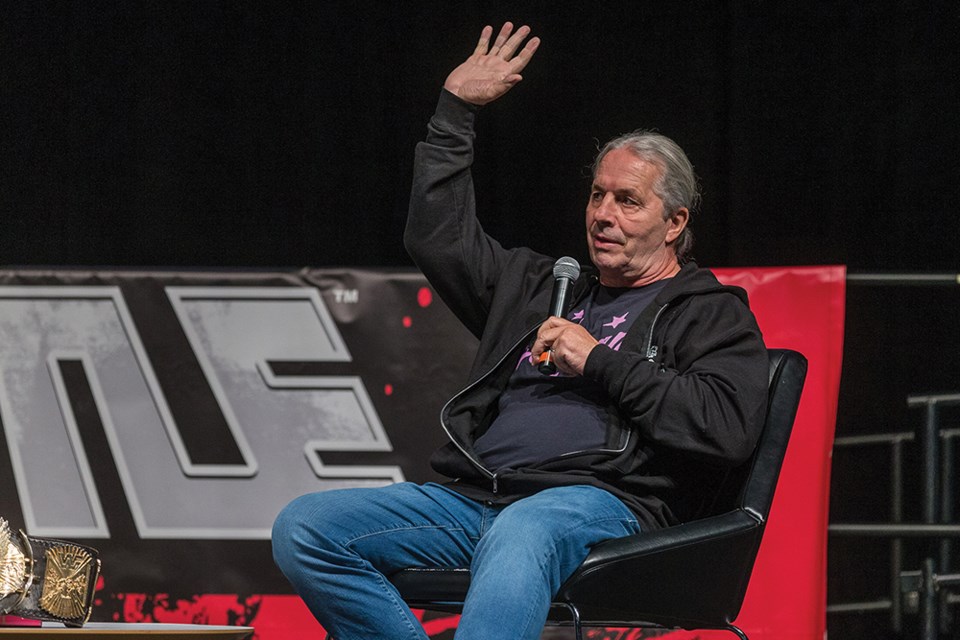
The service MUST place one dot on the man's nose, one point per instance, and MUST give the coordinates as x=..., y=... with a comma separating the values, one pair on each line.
x=604, y=211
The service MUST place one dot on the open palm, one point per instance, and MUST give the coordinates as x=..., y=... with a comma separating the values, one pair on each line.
x=491, y=71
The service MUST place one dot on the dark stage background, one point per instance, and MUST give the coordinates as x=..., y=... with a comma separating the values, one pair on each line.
x=230, y=134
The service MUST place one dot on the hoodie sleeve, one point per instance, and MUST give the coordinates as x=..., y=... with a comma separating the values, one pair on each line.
x=443, y=235
x=705, y=392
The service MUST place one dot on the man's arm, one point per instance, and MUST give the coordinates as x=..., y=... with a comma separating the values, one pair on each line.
x=443, y=235
x=710, y=403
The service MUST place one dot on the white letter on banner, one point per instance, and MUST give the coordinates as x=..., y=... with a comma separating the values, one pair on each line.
x=233, y=332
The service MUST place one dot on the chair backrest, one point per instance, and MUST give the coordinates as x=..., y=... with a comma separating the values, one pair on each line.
x=750, y=486
x=788, y=370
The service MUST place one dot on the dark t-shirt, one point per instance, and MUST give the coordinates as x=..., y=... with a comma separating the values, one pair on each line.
x=542, y=417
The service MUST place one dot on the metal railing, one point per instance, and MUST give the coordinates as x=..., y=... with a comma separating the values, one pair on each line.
x=904, y=279
x=927, y=590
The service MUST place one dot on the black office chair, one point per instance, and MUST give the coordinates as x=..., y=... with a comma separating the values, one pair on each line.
x=690, y=576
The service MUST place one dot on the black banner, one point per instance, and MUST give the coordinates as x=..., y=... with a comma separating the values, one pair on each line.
x=166, y=417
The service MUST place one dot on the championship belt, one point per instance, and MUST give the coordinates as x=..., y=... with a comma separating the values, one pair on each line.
x=46, y=579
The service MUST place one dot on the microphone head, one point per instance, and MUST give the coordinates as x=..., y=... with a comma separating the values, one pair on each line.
x=566, y=267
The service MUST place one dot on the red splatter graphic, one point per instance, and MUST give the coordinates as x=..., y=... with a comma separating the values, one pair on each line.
x=407, y=321
x=283, y=617
x=424, y=297
x=388, y=389
x=232, y=610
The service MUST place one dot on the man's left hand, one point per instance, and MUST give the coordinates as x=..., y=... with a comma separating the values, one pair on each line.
x=569, y=342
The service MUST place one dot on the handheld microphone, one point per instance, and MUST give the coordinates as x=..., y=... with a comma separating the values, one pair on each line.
x=566, y=270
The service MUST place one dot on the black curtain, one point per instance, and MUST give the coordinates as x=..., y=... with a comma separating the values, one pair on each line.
x=248, y=134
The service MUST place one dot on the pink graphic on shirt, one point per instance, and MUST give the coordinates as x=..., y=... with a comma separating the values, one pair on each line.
x=526, y=355
x=613, y=342
x=617, y=321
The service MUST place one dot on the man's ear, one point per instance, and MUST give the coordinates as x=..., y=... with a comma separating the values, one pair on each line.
x=677, y=222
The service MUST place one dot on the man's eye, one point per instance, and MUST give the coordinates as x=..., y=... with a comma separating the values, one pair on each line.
x=596, y=196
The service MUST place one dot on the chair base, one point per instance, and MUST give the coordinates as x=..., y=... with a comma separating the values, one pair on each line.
x=578, y=624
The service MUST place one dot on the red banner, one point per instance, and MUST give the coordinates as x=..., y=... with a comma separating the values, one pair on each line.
x=802, y=309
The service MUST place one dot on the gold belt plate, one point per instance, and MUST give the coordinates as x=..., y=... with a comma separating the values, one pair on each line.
x=66, y=582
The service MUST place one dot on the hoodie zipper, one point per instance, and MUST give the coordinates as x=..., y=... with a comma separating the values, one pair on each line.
x=650, y=349
x=443, y=412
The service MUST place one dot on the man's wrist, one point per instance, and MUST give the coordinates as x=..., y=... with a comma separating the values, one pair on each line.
x=454, y=113
x=451, y=95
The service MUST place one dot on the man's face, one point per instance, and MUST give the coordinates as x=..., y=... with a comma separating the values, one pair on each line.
x=628, y=239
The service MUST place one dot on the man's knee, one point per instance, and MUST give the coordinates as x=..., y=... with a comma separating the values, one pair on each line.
x=301, y=527
x=320, y=524
x=287, y=533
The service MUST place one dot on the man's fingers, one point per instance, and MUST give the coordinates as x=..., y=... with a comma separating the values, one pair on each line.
x=502, y=37
x=539, y=345
x=521, y=59
x=546, y=335
x=484, y=42
x=508, y=47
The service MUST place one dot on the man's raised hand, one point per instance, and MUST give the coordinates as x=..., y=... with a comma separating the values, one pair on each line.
x=491, y=71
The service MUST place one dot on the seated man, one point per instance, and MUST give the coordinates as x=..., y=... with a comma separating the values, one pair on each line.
x=661, y=388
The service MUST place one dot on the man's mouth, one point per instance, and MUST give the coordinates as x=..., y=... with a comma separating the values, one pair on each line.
x=603, y=242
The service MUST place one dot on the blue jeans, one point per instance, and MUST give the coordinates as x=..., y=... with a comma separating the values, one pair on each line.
x=336, y=546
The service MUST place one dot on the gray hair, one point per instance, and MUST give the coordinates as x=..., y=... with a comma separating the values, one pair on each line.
x=677, y=185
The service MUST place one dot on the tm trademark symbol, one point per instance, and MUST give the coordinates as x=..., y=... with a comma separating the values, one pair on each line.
x=346, y=296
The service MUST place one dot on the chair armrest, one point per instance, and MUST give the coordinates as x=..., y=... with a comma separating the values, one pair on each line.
x=669, y=571
x=637, y=546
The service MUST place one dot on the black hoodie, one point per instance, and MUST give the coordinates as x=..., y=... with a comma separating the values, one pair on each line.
x=687, y=387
